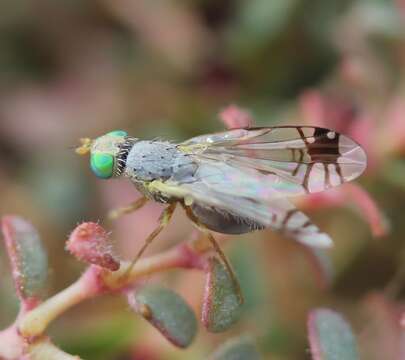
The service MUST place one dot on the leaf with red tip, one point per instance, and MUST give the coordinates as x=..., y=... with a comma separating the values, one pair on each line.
x=221, y=305
x=330, y=336
x=368, y=208
x=235, y=117
x=351, y=194
x=28, y=258
x=241, y=348
x=89, y=242
x=167, y=312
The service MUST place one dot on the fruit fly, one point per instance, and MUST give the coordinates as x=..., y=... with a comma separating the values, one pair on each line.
x=232, y=182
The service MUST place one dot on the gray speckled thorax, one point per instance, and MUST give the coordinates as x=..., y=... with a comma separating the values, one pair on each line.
x=158, y=160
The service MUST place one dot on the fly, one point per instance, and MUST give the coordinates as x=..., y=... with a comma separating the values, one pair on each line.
x=231, y=182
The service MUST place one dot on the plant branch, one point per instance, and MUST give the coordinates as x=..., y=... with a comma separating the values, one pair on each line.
x=97, y=280
x=45, y=350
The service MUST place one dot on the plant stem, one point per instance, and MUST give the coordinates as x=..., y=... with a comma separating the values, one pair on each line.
x=11, y=344
x=45, y=350
x=96, y=280
x=36, y=321
x=181, y=256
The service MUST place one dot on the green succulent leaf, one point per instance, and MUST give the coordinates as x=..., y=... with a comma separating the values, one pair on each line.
x=28, y=258
x=167, y=312
x=222, y=303
x=240, y=348
x=330, y=336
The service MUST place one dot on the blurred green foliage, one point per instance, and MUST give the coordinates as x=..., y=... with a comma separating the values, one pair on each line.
x=70, y=69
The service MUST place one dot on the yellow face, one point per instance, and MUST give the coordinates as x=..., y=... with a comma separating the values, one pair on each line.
x=103, y=153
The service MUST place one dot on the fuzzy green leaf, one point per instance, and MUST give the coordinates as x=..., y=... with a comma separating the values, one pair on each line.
x=28, y=258
x=330, y=336
x=222, y=303
x=167, y=312
x=241, y=348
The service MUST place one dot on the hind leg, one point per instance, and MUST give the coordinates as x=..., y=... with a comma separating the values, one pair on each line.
x=207, y=233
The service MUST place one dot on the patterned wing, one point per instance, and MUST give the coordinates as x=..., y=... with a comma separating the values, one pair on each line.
x=295, y=160
x=243, y=194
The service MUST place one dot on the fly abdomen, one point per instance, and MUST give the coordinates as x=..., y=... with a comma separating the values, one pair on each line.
x=224, y=221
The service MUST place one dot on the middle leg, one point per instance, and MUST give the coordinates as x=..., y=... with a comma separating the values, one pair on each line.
x=164, y=219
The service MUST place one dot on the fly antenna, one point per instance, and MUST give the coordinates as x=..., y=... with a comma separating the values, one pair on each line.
x=85, y=146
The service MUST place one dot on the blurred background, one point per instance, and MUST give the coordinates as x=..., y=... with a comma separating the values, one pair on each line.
x=165, y=68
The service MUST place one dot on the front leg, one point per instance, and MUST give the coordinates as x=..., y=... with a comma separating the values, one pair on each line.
x=137, y=204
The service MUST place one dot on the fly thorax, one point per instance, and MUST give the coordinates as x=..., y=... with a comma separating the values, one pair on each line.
x=151, y=160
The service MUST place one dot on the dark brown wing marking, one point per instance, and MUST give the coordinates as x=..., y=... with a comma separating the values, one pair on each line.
x=324, y=149
x=299, y=162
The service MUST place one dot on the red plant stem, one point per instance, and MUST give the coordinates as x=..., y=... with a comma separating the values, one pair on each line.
x=96, y=281
x=35, y=322
x=11, y=343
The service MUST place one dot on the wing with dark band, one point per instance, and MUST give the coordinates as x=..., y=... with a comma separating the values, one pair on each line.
x=295, y=160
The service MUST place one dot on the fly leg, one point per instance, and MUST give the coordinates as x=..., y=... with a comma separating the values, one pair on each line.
x=164, y=219
x=137, y=204
x=227, y=264
x=218, y=250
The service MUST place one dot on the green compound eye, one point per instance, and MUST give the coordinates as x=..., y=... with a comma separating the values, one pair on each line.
x=118, y=133
x=102, y=165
